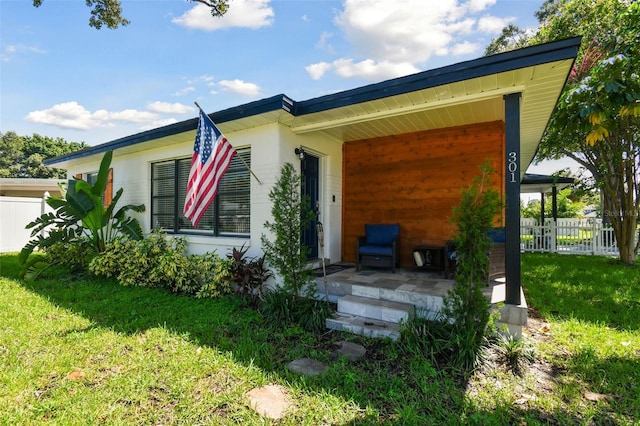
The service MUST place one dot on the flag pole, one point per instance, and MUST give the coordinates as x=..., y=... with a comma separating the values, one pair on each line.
x=239, y=157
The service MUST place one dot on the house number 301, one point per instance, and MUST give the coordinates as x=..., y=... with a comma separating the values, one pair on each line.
x=512, y=166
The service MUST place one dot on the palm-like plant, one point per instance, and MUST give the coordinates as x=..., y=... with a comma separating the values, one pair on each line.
x=81, y=215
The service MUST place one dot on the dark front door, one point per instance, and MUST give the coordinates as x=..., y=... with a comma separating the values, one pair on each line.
x=310, y=183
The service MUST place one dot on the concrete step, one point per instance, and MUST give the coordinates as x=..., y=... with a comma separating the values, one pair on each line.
x=376, y=309
x=364, y=326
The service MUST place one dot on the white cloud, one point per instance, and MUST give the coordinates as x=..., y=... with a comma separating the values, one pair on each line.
x=323, y=43
x=159, y=123
x=71, y=115
x=11, y=50
x=169, y=108
x=479, y=5
x=464, y=48
x=185, y=91
x=396, y=38
x=493, y=24
x=240, y=87
x=316, y=71
x=242, y=13
x=372, y=70
x=209, y=80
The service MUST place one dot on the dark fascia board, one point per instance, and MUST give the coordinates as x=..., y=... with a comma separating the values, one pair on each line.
x=246, y=110
x=535, y=179
x=532, y=183
x=494, y=64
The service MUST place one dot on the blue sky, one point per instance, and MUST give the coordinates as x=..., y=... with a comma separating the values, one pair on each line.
x=61, y=78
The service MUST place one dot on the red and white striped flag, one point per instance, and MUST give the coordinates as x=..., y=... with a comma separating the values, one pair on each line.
x=212, y=155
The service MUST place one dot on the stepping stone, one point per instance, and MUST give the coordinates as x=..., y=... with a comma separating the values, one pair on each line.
x=353, y=351
x=270, y=401
x=307, y=366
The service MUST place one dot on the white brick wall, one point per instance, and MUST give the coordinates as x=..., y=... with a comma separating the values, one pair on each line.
x=271, y=146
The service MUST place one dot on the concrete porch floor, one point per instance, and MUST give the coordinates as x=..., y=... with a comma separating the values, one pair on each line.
x=407, y=279
x=422, y=289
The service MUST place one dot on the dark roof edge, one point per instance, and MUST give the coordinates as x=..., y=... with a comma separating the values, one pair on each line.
x=246, y=110
x=487, y=65
x=536, y=179
x=502, y=62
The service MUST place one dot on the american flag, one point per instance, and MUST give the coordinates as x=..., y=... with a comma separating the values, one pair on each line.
x=212, y=155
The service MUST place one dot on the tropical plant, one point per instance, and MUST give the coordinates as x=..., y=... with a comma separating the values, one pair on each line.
x=249, y=275
x=81, y=216
x=515, y=354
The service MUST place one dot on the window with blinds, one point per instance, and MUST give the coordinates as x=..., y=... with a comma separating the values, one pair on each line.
x=229, y=213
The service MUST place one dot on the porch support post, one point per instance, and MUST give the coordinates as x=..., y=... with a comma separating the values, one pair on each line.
x=554, y=203
x=512, y=198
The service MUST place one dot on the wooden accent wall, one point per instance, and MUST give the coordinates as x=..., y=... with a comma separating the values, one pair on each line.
x=415, y=179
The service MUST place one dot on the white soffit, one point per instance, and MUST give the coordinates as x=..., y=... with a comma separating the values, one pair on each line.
x=465, y=102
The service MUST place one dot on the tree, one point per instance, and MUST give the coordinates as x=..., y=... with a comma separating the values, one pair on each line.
x=22, y=156
x=512, y=37
x=567, y=205
x=291, y=215
x=109, y=12
x=465, y=306
x=597, y=119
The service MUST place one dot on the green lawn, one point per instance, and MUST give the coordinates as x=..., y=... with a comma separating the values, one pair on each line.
x=92, y=351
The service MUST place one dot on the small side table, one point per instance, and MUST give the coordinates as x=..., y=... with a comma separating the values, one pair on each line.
x=429, y=257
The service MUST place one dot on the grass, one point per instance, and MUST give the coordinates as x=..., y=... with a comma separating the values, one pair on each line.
x=91, y=351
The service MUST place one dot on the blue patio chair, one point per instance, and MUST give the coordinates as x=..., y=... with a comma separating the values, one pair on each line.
x=379, y=246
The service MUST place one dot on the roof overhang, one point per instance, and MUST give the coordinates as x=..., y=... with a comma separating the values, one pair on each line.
x=534, y=183
x=29, y=184
x=460, y=94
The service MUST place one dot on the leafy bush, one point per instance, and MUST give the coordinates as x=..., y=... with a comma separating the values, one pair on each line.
x=249, y=275
x=74, y=256
x=211, y=275
x=158, y=261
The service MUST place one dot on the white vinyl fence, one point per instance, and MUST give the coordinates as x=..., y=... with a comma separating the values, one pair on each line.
x=571, y=236
x=15, y=214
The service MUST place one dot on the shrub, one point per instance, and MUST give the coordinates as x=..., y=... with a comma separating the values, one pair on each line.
x=158, y=261
x=280, y=307
x=457, y=337
x=249, y=274
x=74, y=256
x=514, y=354
x=291, y=215
x=212, y=275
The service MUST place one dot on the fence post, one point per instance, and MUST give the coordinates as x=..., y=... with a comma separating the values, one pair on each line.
x=43, y=208
x=594, y=237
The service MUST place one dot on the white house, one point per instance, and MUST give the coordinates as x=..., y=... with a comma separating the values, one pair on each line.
x=397, y=151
